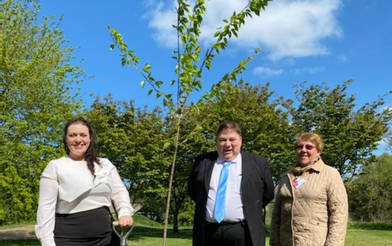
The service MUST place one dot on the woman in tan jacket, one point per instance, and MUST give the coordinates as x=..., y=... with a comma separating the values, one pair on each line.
x=311, y=207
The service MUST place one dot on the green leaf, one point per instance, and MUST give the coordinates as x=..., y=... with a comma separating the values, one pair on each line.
x=146, y=68
x=167, y=145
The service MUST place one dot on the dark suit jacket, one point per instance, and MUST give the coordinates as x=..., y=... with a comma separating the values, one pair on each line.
x=257, y=192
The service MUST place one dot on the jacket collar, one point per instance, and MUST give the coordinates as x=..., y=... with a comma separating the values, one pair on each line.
x=318, y=166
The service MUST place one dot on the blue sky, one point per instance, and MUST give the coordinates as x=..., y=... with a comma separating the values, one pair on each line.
x=301, y=40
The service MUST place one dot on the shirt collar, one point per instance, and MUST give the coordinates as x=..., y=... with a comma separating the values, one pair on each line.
x=235, y=160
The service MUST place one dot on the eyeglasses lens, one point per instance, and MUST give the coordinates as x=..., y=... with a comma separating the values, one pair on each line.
x=307, y=147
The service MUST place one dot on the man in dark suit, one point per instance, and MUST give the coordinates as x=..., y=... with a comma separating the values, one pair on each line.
x=249, y=188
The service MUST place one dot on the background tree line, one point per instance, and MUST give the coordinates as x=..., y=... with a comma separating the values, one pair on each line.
x=39, y=94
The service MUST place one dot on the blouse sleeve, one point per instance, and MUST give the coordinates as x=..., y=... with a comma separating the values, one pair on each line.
x=120, y=195
x=46, y=206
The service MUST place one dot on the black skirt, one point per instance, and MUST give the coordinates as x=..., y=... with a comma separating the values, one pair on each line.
x=88, y=228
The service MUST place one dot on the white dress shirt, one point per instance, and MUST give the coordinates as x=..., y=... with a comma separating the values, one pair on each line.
x=233, y=205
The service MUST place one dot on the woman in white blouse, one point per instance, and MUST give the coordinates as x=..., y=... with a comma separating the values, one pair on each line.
x=76, y=192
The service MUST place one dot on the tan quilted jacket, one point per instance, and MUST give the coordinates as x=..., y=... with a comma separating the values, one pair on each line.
x=315, y=214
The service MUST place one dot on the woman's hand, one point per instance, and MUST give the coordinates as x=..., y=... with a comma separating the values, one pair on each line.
x=125, y=220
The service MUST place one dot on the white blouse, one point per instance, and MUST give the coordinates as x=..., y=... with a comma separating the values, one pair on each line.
x=67, y=187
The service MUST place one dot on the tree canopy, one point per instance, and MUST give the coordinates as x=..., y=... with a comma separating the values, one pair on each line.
x=371, y=192
x=36, y=81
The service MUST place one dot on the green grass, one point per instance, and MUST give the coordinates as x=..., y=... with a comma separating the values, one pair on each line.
x=149, y=233
x=20, y=243
x=370, y=226
x=355, y=237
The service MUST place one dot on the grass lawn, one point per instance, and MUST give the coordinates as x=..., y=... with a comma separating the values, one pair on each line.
x=149, y=233
x=20, y=243
x=355, y=237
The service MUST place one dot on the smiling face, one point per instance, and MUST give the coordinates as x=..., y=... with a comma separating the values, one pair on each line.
x=228, y=144
x=306, y=152
x=77, y=140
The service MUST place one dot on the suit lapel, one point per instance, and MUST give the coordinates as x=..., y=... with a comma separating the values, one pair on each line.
x=246, y=167
x=209, y=166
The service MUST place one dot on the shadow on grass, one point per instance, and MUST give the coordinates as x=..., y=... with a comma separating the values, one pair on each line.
x=133, y=237
x=26, y=242
x=383, y=226
x=139, y=232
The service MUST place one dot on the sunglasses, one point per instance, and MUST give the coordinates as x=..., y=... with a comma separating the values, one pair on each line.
x=307, y=147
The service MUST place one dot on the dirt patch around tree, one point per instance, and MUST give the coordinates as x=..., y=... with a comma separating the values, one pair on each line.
x=21, y=232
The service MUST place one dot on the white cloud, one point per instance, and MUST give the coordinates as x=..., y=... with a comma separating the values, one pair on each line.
x=287, y=29
x=162, y=17
x=308, y=70
x=342, y=58
x=267, y=72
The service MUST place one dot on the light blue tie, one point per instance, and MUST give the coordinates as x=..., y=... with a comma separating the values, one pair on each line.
x=219, y=211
